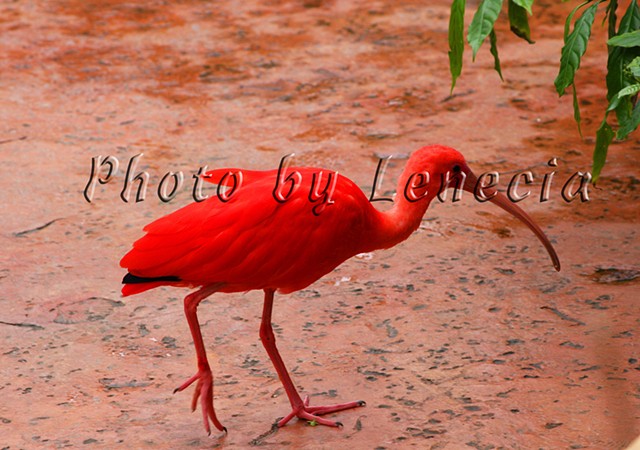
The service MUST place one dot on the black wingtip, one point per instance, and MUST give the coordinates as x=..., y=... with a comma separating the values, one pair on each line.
x=134, y=279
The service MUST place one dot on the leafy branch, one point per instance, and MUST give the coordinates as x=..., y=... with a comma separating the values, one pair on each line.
x=623, y=63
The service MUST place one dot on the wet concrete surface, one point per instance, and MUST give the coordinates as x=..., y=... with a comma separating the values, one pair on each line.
x=462, y=337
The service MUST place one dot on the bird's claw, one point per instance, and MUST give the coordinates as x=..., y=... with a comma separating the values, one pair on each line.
x=312, y=413
x=204, y=392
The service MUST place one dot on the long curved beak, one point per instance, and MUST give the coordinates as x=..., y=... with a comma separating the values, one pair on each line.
x=503, y=202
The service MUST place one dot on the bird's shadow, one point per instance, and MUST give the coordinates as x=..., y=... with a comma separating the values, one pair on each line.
x=259, y=440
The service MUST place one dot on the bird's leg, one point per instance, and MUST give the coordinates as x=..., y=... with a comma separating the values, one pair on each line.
x=204, y=388
x=300, y=408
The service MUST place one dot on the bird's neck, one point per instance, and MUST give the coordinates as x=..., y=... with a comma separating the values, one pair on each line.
x=410, y=206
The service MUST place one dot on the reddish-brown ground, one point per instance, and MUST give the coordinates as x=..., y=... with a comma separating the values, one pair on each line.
x=464, y=336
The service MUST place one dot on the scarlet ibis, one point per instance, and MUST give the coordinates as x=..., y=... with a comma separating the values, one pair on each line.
x=258, y=238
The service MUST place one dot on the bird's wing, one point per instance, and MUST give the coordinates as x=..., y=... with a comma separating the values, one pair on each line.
x=253, y=241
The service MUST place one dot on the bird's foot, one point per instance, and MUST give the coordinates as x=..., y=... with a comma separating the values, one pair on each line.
x=312, y=413
x=204, y=391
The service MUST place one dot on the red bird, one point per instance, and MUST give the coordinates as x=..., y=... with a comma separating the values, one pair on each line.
x=283, y=240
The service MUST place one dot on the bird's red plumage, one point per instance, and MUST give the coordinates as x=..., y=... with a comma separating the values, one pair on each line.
x=253, y=241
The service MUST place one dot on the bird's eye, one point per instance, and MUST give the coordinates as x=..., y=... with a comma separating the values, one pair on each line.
x=456, y=168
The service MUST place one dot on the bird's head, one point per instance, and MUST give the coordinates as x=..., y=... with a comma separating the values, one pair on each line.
x=435, y=168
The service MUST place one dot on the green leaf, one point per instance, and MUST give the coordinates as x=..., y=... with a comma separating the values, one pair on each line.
x=574, y=48
x=576, y=110
x=613, y=104
x=519, y=21
x=494, y=51
x=567, y=22
x=630, y=125
x=456, y=40
x=631, y=39
x=482, y=23
x=619, y=59
x=631, y=19
x=611, y=15
x=525, y=4
x=604, y=136
x=633, y=69
x=629, y=90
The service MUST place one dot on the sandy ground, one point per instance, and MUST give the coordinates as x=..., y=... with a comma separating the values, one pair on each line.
x=462, y=337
